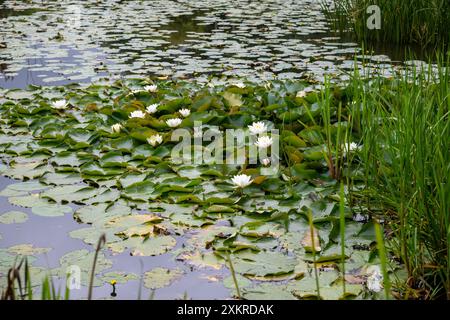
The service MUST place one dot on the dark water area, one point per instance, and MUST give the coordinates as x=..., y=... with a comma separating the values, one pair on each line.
x=84, y=41
x=5, y=12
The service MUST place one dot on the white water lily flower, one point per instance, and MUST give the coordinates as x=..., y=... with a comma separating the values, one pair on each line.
x=152, y=108
x=240, y=85
x=155, y=140
x=60, y=104
x=151, y=88
x=137, y=114
x=257, y=127
x=353, y=146
x=265, y=162
x=350, y=148
x=264, y=142
x=242, y=180
x=374, y=278
x=173, y=122
x=301, y=94
x=116, y=127
x=185, y=112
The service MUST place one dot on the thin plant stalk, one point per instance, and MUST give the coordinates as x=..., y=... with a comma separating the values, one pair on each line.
x=342, y=232
x=233, y=275
x=100, y=244
x=313, y=248
x=383, y=260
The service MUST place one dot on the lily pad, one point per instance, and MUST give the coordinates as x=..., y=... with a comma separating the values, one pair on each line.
x=27, y=250
x=51, y=210
x=119, y=277
x=161, y=277
x=140, y=246
x=13, y=217
x=263, y=263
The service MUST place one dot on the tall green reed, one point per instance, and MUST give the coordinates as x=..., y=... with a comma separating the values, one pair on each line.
x=422, y=22
x=405, y=128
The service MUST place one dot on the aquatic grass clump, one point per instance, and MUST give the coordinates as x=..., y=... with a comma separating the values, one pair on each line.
x=422, y=22
x=404, y=124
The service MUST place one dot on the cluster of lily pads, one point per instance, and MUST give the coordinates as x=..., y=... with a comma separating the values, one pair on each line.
x=104, y=150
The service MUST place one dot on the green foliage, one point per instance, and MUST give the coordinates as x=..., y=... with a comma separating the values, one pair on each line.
x=386, y=140
x=422, y=22
x=404, y=124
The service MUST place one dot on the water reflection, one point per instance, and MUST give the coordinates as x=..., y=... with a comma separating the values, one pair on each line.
x=259, y=41
x=180, y=27
x=53, y=233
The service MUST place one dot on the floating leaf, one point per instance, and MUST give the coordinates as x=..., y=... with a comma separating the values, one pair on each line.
x=161, y=277
x=262, y=263
x=13, y=217
x=119, y=277
x=141, y=246
x=51, y=210
x=311, y=240
x=27, y=250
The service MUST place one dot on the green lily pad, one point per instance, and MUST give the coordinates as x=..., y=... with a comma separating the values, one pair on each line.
x=84, y=259
x=262, y=263
x=69, y=193
x=51, y=210
x=266, y=291
x=22, y=188
x=102, y=211
x=161, y=277
x=13, y=217
x=119, y=277
x=140, y=246
x=27, y=250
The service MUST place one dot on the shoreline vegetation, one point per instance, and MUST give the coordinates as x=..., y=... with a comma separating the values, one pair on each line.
x=382, y=144
x=413, y=22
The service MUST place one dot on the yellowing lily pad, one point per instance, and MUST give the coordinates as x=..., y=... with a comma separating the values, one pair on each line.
x=161, y=277
x=51, y=210
x=311, y=240
x=140, y=246
x=27, y=250
x=13, y=217
x=119, y=277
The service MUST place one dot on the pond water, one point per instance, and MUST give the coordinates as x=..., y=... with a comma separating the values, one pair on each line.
x=58, y=42
x=53, y=232
x=61, y=42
